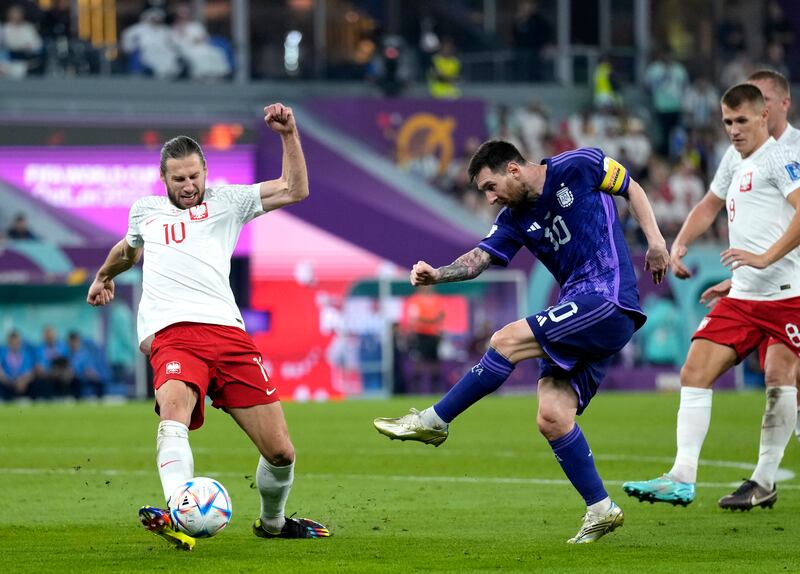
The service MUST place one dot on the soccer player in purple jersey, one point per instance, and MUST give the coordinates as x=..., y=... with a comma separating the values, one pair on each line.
x=563, y=212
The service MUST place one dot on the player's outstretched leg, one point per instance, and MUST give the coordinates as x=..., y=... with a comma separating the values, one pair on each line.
x=293, y=528
x=749, y=495
x=661, y=489
x=416, y=425
x=431, y=425
x=158, y=521
x=596, y=525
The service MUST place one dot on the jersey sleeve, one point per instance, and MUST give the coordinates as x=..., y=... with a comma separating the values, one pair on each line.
x=724, y=174
x=502, y=242
x=135, y=217
x=245, y=200
x=784, y=169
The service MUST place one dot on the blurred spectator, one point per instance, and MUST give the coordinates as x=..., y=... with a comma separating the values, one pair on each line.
x=425, y=314
x=205, y=61
x=52, y=365
x=731, y=39
x=737, y=70
x=501, y=126
x=55, y=25
x=64, y=53
x=635, y=145
x=150, y=46
x=686, y=189
x=399, y=353
x=391, y=68
x=86, y=366
x=775, y=59
x=777, y=29
x=661, y=335
x=533, y=125
x=666, y=80
x=17, y=364
x=445, y=72
x=21, y=40
x=533, y=39
x=605, y=85
x=429, y=37
x=700, y=104
x=19, y=228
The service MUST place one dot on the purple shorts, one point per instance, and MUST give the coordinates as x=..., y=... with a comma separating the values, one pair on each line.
x=581, y=335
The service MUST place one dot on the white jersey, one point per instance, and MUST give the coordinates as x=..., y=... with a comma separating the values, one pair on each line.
x=732, y=158
x=758, y=214
x=187, y=257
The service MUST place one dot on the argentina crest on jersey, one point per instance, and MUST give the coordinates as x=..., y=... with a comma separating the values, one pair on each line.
x=564, y=196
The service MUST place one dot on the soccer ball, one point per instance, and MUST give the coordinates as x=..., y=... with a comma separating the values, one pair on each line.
x=200, y=507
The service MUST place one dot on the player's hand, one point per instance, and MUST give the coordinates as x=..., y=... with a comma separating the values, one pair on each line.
x=100, y=293
x=656, y=261
x=713, y=294
x=676, y=255
x=735, y=258
x=423, y=274
x=280, y=118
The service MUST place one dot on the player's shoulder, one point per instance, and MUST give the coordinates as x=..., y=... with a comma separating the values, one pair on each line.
x=149, y=203
x=583, y=156
x=791, y=137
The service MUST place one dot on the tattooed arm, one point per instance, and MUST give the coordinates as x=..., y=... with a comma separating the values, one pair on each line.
x=468, y=266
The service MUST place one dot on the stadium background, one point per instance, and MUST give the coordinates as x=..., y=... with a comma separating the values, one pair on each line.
x=391, y=98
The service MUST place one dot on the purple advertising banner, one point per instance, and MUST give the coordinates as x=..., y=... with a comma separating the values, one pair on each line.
x=99, y=184
x=408, y=130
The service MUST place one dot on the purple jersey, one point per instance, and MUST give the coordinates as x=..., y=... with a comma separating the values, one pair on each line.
x=574, y=230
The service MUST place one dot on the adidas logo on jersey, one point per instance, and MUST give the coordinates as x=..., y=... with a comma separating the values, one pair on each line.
x=534, y=227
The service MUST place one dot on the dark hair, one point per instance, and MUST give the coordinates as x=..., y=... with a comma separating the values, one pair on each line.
x=494, y=154
x=778, y=80
x=742, y=94
x=180, y=147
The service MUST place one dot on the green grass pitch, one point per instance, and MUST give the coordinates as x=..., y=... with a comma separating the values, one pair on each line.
x=492, y=498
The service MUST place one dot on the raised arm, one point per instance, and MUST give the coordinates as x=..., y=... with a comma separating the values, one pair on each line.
x=121, y=258
x=292, y=186
x=468, y=266
x=657, y=257
x=700, y=218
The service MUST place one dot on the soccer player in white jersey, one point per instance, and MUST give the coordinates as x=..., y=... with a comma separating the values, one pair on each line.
x=761, y=194
x=192, y=330
x=777, y=96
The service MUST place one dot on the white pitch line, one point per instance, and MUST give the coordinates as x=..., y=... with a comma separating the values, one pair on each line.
x=368, y=477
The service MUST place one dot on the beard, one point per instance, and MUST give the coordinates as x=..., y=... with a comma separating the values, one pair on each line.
x=183, y=200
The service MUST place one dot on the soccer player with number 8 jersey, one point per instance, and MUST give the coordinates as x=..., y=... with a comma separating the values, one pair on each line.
x=563, y=211
x=761, y=191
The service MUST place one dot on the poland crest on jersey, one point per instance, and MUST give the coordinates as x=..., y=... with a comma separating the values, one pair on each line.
x=564, y=197
x=198, y=212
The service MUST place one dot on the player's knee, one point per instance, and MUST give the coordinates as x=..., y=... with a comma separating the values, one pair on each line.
x=279, y=455
x=503, y=342
x=694, y=376
x=281, y=458
x=779, y=377
x=552, y=423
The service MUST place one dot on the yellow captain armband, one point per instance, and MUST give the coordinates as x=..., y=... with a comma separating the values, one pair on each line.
x=615, y=176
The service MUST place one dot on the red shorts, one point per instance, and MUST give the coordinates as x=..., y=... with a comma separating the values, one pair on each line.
x=746, y=325
x=219, y=361
x=762, y=350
